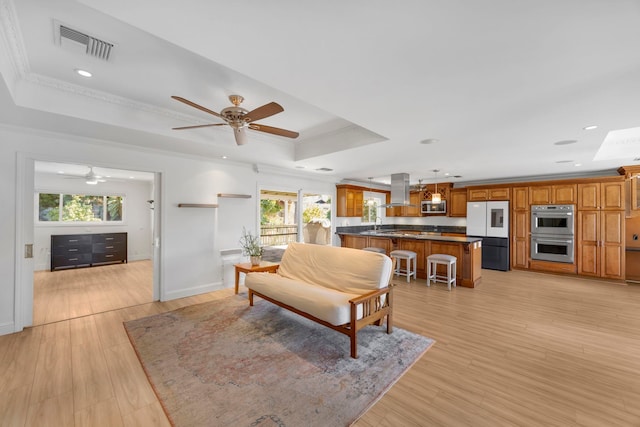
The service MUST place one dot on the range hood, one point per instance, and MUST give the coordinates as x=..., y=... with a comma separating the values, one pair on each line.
x=399, y=190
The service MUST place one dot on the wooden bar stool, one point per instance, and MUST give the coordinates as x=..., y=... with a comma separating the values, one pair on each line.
x=398, y=255
x=432, y=269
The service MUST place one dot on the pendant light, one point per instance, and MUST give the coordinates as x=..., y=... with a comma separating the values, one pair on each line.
x=436, y=197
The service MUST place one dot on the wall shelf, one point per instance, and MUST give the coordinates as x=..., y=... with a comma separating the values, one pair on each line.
x=196, y=205
x=234, y=196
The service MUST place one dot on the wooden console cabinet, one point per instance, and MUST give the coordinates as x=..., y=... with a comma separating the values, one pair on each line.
x=87, y=250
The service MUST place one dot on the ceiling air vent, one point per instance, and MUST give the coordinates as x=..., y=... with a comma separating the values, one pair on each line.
x=77, y=41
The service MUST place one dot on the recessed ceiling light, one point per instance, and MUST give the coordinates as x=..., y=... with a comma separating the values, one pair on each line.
x=429, y=141
x=223, y=157
x=577, y=164
x=590, y=127
x=564, y=161
x=61, y=172
x=83, y=73
x=131, y=177
x=447, y=174
x=565, y=142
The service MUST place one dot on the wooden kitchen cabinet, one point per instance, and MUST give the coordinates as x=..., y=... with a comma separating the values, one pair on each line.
x=520, y=232
x=632, y=188
x=520, y=200
x=355, y=242
x=520, y=227
x=458, y=202
x=605, y=195
x=589, y=196
x=415, y=198
x=394, y=211
x=380, y=242
x=417, y=246
x=499, y=193
x=350, y=201
x=540, y=195
x=600, y=243
x=488, y=193
x=561, y=194
x=477, y=194
x=565, y=194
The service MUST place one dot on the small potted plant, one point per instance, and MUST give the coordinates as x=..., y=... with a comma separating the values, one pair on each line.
x=251, y=246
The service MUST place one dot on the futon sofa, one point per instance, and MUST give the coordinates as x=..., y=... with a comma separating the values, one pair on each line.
x=341, y=288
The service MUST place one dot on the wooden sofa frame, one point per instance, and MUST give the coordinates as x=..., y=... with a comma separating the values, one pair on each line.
x=374, y=309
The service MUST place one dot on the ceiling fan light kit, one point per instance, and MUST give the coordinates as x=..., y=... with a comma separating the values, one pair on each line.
x=240, y=119
x=90, y=177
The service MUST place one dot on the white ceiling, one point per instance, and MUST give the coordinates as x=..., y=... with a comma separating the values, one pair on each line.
x=495, y=82
x=81, y=171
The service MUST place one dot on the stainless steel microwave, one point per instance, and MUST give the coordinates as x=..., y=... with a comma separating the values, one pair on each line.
x=429, y=207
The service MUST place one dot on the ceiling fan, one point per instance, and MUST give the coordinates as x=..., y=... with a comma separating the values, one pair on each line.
x=240, y=119
x=90, y=177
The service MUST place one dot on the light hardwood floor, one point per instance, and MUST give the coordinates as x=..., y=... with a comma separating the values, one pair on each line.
x=67, y=294
x=523, y=349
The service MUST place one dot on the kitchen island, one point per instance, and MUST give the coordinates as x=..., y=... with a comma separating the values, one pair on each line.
x=467, y=250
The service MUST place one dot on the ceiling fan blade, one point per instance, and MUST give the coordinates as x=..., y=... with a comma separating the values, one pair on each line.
x=194, y=105
x=274, y=131
x=241, y=136
x=266, y=110
x=199, y=126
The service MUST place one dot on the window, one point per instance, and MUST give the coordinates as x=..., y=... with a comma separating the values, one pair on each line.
x=54, y=207
x=370, y=209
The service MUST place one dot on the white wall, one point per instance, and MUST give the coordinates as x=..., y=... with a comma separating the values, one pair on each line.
x=191, y=237
x=137, y=218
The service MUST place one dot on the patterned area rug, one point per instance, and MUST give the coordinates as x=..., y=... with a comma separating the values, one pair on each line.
x=223, y=363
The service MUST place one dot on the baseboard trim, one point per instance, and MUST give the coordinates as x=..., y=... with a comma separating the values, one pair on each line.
x=189, y=292
x=7, y=328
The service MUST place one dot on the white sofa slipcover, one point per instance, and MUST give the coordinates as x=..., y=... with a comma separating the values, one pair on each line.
x=342, y=288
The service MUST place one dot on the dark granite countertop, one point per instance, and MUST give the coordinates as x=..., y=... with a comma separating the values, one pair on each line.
x=398, y=234
x=354, y=229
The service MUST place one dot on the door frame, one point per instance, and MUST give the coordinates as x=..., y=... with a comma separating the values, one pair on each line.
x=24, y=234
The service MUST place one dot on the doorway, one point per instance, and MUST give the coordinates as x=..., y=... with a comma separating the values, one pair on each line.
x=73, y=199
x=288, y=216
x=316, y=218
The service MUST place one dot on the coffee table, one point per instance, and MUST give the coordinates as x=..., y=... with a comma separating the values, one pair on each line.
x=247, y=267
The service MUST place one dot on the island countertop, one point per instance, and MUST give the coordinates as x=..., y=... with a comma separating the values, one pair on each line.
x=467, y=250
x=417, y=236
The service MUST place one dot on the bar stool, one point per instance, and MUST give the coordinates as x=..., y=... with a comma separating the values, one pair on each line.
x=398, y=255
x=379, y=250
x=432, y=269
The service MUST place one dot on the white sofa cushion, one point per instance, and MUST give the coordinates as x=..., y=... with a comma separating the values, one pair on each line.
x=324, y=303
x=353, y=271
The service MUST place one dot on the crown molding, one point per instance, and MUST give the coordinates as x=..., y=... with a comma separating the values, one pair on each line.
x=12, y=34
x=107, y=98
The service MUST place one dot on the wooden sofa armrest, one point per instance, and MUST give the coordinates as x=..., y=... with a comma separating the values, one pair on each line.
x=372, y=294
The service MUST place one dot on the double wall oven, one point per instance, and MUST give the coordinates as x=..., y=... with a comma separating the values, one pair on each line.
x=553, y=233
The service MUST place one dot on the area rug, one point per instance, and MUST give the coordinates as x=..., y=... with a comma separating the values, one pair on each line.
x=223, y=363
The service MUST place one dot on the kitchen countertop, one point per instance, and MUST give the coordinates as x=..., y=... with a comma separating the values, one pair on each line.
x=414, y=236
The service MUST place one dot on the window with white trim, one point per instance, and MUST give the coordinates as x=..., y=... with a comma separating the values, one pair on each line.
x=75, y=208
